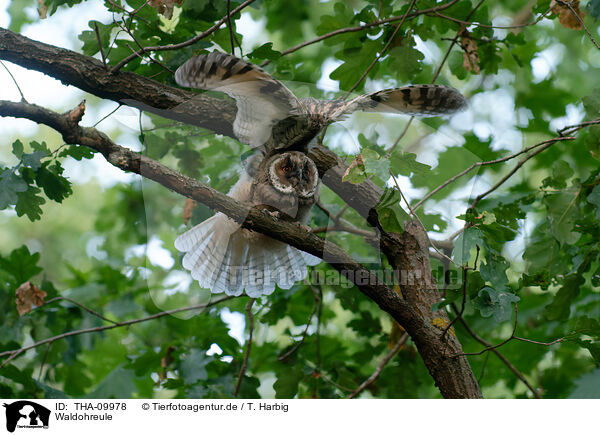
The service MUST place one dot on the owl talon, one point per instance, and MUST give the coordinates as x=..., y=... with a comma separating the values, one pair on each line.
x=305, y=227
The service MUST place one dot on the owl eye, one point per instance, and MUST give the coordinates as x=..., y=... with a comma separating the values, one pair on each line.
x=287, y=169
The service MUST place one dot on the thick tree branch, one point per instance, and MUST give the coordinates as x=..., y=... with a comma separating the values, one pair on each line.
x=90, y=75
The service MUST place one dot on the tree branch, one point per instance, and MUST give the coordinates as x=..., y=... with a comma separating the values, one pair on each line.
x=362, y=27
x=12, y=354
x=380, y=367
x=250, y=318
x=502, y=358
x=90, y=75
x=190, y=41
x=452, y=179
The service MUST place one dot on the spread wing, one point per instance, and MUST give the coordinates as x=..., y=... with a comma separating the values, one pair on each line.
x=423, y=100
x=261, y=100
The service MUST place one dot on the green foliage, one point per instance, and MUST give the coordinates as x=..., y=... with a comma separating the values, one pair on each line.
x=530, y=246
x=20, y=185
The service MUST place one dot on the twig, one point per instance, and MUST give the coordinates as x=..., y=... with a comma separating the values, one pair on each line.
x=433, y=79
x=190, y=41
x=232, y=36
x=568, y=5
x=326, y=378
x=118, y=6
x=463, y=304
x=14, y=81
x=338, y=216
x=520, y=163
x=402, y=134
x=362, y=27
x=304, y=333
x=380, y=54
x=541, y=343
x=230, y=27
x=490, y=162
x=453, y=42
x=325, y=210
x=250, y=317
x=447, y=243
x=472, y=23
x=109, y=114
x=74, y=302
x=318, y=293
x=338, y=224
x=139, y=44
x=513, y=337
x=44, y=361
x=570, y=129
x=508, y=364
x=14, y=353
x=483, y=366
x=380, y=367
x=99, y=40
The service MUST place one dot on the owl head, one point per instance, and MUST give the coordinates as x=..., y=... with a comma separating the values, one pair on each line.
x=293, y=173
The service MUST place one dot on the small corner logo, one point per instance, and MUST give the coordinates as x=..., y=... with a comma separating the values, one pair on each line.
x=26, y=414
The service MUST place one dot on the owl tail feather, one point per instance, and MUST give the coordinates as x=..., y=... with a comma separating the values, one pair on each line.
x=225, y=258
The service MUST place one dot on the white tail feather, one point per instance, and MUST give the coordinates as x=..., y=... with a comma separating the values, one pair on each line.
x=225, y=258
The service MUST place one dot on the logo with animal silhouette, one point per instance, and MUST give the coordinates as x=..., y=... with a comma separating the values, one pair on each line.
x=26, y=414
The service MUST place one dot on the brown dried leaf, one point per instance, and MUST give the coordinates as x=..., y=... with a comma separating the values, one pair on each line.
x=568, y=15
x=471, y=57
x=188, y=209
x=165, y=7
x=358, y=161
x=28, y=297
x=42, y=9
x=165, y=362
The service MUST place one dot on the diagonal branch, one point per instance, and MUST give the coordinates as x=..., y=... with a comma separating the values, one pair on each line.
x=12, y=354
x=363, y=27
x=545, y=144
x=90, y=75
x=508, y=364
x=179, y=45
x=251, y=218
x=380, y=367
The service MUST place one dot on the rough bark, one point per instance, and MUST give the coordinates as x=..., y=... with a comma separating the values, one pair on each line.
x=407, y=252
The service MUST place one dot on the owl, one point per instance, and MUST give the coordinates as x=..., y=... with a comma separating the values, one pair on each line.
x=279, y=176
x=226, y=258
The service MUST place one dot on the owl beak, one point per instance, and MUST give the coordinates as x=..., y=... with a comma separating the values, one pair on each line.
x=296, y=178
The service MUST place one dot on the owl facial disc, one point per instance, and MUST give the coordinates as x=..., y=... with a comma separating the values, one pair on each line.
x=293, y=172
